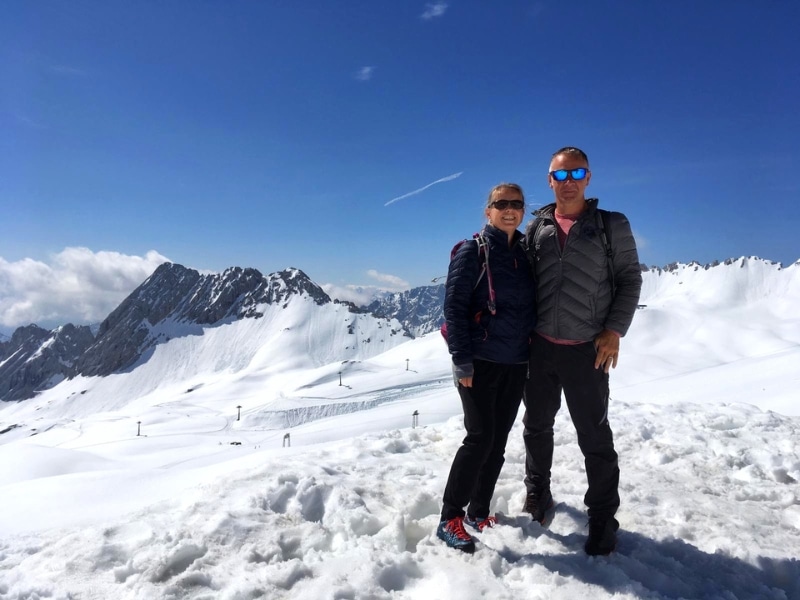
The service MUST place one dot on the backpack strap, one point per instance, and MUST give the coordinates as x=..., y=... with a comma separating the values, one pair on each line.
x=483, y=249
x=483, y=252
x=605, y=236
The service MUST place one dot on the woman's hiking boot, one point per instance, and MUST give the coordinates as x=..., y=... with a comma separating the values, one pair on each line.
x=480, y=524
x=453, y=534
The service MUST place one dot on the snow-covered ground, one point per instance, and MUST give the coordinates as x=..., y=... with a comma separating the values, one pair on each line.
x=257, y=482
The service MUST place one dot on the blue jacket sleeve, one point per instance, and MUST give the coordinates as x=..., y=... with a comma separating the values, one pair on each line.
x=462, y=277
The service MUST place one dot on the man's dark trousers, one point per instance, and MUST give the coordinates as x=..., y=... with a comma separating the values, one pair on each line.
x=557, y=367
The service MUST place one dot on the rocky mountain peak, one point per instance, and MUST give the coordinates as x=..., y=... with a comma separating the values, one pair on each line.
x=419, y=309
x=35, y=358
x=176, y=300
x=180, y=295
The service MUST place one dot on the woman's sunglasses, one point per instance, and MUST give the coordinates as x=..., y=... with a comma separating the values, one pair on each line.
x=504, y=204
x=574, y=174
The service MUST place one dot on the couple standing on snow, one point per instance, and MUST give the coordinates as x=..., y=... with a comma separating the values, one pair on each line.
x=529, y=316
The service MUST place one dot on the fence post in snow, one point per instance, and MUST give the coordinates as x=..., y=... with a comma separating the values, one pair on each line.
x=286, y=441
x=340, y=378
x=407, y=364
x=239, y=414
x=138, y=428
x=414, y=419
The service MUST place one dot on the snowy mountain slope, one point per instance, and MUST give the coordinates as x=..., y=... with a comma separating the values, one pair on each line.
x=175, y=303
x=710, y=503
x=257, y=474
x=749, y=304
x=220, y=363
x=736, y=282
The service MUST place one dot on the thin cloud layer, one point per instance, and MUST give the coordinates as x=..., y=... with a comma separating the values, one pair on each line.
x=423, y=188
x=77, y=286
x=433, y=10
x=642, y=243
x=365, y=73
x=67, y=71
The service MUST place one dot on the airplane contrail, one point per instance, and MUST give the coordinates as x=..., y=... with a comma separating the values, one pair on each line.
x=422, y=189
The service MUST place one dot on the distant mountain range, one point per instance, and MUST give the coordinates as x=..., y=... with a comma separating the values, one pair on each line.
x=176, y=301
x=418, y=309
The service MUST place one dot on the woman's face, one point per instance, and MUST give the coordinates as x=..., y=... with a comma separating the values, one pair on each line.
x=507, y=219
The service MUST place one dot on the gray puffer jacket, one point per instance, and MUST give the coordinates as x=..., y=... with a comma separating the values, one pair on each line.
x=574, y=296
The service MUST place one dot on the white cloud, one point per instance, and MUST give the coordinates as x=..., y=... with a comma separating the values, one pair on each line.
x=365, y=73
x=358, y=295
x=76, y=286
x=425, y=187
x=433, y=10
x=361, y=295
x=391, y=281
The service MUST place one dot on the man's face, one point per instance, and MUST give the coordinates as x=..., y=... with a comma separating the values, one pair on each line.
x=570, y=191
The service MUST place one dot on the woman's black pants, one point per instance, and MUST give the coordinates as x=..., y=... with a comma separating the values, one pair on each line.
x=490, y=409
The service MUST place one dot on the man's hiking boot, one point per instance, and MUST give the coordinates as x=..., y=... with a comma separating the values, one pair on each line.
x=453, y=534
x=537, y=504
x=602, y=538
x=480, y=524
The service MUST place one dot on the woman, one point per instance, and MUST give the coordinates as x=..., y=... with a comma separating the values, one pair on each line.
x=490, y=315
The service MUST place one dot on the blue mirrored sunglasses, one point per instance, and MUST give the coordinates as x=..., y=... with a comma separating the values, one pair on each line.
x=574, y=174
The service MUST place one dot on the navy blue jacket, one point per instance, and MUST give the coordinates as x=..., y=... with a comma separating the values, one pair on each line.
x=472, y=331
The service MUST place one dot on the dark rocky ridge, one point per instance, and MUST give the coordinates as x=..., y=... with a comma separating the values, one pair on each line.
x=35, y=358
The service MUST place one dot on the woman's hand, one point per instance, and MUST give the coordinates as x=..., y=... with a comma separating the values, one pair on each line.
x=465, y=381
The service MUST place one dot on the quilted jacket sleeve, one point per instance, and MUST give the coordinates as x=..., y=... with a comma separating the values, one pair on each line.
x=627, y=274
x=462, y=277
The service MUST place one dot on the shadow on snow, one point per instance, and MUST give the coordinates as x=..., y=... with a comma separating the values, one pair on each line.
x=669, y=568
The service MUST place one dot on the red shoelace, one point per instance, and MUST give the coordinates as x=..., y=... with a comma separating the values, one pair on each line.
x=456, y=526
x=487, y=522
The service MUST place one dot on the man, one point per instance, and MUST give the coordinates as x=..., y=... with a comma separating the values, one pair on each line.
x=586, y=300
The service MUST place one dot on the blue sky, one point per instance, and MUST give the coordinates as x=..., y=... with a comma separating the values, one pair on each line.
x=274, y=134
